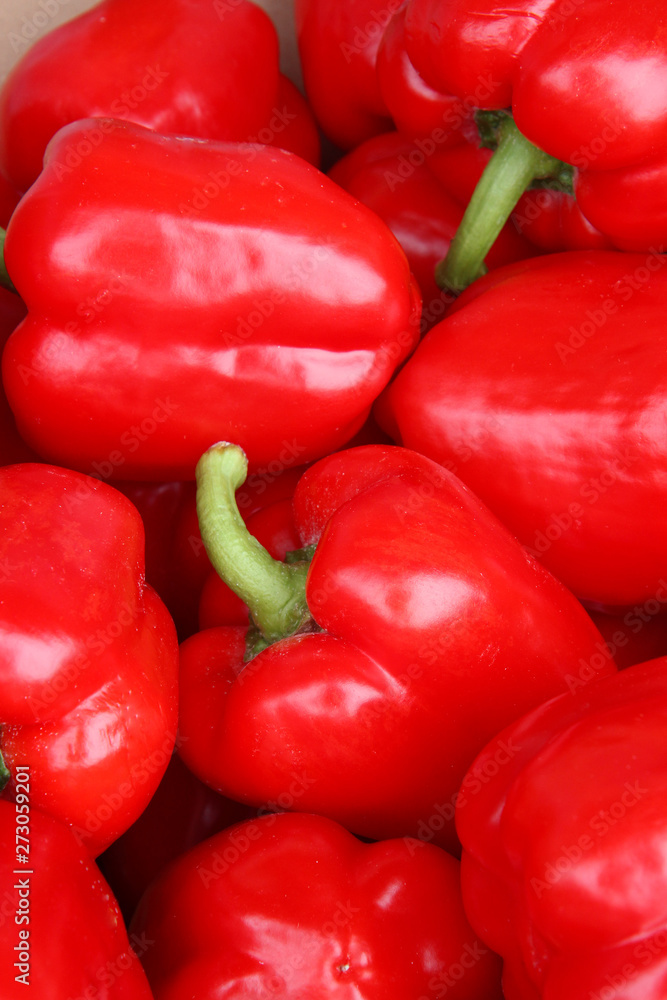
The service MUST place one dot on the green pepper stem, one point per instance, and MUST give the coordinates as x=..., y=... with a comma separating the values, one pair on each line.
x=513, y=166
x=275, y=592
x=5, y=280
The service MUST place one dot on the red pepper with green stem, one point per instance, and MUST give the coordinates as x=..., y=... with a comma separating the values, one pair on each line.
x=375, y=687
x=177, y=566
x=421, y=193
x=587, y=90
x=88, y=654
x=563, y=867
x=61, y=932
x=544, y=390
x=200, y=292
x=295, y=906
x=205, y=70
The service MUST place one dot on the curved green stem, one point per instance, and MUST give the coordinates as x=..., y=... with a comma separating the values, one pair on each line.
x=514, y=165
x=274, y=591
x=5, y=280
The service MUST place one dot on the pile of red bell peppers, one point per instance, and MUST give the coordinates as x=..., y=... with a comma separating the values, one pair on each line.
x=333, y=478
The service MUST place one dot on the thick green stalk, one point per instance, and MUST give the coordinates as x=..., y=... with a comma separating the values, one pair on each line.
x=275, y=592
x=513, y=166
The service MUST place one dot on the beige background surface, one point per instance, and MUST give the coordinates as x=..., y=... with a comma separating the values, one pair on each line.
x=22, y=22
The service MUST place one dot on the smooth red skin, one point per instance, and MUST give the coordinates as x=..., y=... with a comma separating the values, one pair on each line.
x=78, y=944
x=589, y=89
x=384, y=710
x=12, y=446
x=221, y=63
x=416, y=109
x=301, y=900
x=338, y=56
x=565, y=924
x=88, y=657
x=391, y=175
x=274, y=528
x=182, y=812
x=300, y=135
x=532, y=430
x=340, y=307
x=553, y=221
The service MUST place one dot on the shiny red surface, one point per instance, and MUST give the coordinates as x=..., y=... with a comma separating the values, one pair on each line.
x=75, y=937
x=437, y=628
x=199, y=69
x=88, y=652
x=586, y=82
x=338, y=44
x=173, y=309
x=294, y=906
x=563, y=826
x=421, y=192
x=544, y=390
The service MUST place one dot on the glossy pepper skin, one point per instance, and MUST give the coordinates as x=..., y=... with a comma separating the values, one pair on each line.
x=338, y=44
x=295, y=906
x=549, y=405
x=416, y=109
x=208, y=70
x=422, y=199
x=372, y=710
x=88, y=656
x=563, y=864
x=199, y=292
x=551, y=219
x=588, y=88
x=61, y=933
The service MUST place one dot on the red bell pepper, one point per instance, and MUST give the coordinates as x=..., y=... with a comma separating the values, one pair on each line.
x=551, y=219
x=417, y=110
x=208, y=70
x=177, y=566
x=295, y=906
x=88, y=653
x=587, y=90
x=61, y=933
x=421, y=193
x=339, y=42
x=199, y=292
x=418, y=628
x=544, y=390
x=563, y=870
x=182, y=812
